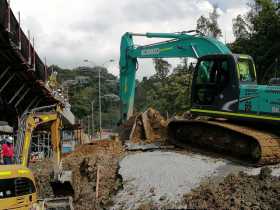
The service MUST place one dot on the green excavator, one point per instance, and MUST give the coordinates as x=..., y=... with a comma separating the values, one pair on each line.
x=242, y=117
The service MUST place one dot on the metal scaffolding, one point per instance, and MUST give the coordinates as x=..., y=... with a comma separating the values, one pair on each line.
x=41, y=145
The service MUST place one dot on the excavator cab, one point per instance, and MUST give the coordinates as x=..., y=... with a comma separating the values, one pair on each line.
x=217, y=80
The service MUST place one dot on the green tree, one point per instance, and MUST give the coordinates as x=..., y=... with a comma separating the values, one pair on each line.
x=81, y=95
x=210, y=26
x=202, y=25
x=170, y=95
x=162, y=68
x=240, y=29
x=262, y=42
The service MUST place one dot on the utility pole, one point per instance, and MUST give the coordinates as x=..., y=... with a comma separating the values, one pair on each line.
x=99, y=94
x=92, y=120
x=99, y=90
x=88, y=125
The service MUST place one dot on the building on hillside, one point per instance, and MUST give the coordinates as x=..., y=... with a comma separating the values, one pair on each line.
x=82, y=80
x=85, y=69
x=69, y=82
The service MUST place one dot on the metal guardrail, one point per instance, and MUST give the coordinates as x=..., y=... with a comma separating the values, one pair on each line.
x=16, y=40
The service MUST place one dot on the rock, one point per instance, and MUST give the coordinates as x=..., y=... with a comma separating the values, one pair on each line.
x=265, y=173
x=163, y=197
x=152, y=190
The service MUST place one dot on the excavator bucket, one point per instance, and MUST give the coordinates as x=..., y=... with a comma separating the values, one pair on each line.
x=62, y=184
x=62, y=203
x=148, y=127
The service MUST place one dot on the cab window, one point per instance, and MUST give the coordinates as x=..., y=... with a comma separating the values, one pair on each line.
x=213, y=72
x=16, y=187
x=246, y=70
x=213, y=77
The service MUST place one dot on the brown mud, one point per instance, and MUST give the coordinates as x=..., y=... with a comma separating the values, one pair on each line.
x=84, y=162
x=241, y=191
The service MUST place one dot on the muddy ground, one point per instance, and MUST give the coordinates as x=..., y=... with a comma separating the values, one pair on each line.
x=176, y=179
x=164, y=180
x=41, y=171
x=84, y=163
x=158, y=178
x=240, y=191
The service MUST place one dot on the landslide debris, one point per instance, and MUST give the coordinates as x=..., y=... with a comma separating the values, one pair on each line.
x=84, y=163
x=240, y=191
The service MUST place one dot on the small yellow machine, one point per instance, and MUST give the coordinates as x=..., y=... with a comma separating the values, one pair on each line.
x=17, y=188
x=17, y=184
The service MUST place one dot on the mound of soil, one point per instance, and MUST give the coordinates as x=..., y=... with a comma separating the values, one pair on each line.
x=84, y=163
x=240, y=191
x=41, y=171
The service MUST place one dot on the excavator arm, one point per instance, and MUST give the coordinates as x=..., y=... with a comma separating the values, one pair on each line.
x=177, y=45
x=28, y=123
x=61, y=179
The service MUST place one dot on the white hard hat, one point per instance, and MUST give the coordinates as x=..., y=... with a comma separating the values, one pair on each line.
x=10, y=139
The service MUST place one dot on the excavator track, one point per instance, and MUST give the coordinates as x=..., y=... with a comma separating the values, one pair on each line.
x=246, y=143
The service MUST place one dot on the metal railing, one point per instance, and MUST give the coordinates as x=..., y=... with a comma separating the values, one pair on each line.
x=16, y=40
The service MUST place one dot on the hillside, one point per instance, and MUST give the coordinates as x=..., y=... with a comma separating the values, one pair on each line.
x=82, y=86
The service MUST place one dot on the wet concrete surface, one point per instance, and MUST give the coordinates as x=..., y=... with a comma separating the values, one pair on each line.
x=163, y=177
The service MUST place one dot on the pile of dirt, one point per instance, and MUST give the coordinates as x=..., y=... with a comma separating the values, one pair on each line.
x=84, y=163
x=145, y=128
x=42, y=171
x=240, y=191
x=101, y=156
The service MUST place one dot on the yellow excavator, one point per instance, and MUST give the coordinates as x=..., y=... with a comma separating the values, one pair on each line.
x=17, y=183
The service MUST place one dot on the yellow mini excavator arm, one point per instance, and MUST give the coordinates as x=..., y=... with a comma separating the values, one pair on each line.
x=28, y=123
x=51, y=116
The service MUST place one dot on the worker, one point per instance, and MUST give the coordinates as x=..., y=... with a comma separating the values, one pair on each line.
x=8, y=151
x=244, y=71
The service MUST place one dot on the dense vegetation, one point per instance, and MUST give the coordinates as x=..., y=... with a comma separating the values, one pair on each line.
x=168, y=93
x=257, y=34
x=82, y=89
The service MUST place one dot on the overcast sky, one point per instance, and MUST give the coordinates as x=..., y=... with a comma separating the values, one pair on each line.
x=69, y=31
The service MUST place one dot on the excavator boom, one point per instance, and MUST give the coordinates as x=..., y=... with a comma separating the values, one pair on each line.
x=61, y=180
x=28, y=122
x=178, y=45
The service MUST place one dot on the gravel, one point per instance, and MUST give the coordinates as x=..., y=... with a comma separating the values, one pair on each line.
x=255, y=171
x=157, y=175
